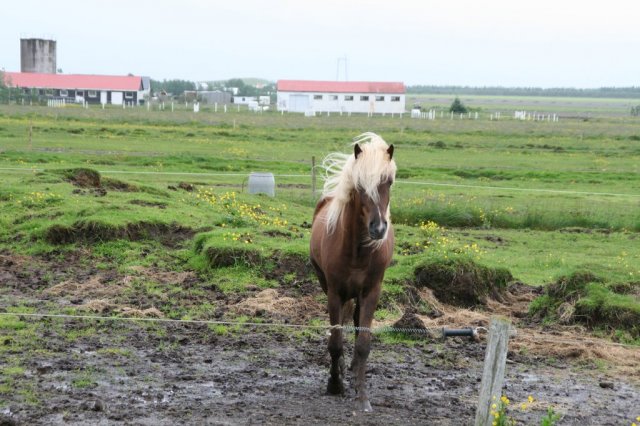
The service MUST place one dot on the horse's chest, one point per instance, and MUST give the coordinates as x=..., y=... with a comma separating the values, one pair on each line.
x=358, y=277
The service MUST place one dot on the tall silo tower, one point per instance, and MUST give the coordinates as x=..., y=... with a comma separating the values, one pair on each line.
x=38, y=55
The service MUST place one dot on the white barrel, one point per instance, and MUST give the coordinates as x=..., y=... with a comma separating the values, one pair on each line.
x=262, y=183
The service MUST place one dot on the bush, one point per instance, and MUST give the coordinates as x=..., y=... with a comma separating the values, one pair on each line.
x=458, y=107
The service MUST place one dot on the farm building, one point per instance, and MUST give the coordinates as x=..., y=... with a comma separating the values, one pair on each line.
x=341, y=96
x=214, y=97
x=93, y=89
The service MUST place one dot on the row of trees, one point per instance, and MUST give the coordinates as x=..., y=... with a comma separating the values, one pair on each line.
x=172, y=86
x=602, y=92
x=177, y=87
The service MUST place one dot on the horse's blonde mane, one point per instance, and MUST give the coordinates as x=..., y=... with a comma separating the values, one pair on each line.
x=344, y=174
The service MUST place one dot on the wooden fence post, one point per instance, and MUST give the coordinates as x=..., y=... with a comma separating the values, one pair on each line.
x=493, y=375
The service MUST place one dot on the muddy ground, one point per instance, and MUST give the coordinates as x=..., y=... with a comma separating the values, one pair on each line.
x=145, y=373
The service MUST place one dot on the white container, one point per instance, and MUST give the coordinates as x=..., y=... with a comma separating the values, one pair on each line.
x=262, y=183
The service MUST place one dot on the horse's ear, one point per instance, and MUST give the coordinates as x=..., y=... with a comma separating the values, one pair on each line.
x=390, y=151
x=357, y=150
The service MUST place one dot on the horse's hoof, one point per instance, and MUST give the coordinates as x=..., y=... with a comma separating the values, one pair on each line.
x=364, y=406
x=335, y=387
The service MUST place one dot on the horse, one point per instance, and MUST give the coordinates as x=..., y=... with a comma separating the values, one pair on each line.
x=351, y=247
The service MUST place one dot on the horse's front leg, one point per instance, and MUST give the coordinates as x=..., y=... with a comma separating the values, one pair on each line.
x=363, y=346
x=335, y=385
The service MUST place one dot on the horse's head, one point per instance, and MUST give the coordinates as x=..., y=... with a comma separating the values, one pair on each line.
x=365, y=176
x=373, y=180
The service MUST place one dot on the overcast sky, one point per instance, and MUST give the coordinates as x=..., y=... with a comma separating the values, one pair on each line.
x=541, y=43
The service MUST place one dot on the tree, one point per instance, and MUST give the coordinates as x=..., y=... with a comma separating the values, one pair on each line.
x=175, y=87
x=4, y=89
x=635, y=111
x=458, y=107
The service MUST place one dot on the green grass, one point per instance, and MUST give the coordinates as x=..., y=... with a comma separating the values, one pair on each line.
x=539, y=199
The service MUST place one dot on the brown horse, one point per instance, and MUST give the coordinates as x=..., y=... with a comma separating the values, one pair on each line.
x=351, y=246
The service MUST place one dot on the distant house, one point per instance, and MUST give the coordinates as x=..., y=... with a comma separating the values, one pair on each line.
x=94, y=89
x=244, y=100
x=340, y=96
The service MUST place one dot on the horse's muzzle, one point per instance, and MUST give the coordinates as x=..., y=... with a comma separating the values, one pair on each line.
x=377, y=229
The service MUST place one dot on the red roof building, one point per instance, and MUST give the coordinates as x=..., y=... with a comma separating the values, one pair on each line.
x=340, y=86
x=112, y=89
x=341, y=96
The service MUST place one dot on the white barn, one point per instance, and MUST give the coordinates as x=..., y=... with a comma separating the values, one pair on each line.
x=341, y=96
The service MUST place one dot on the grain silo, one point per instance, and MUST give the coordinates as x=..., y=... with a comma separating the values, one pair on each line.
x=37, y=55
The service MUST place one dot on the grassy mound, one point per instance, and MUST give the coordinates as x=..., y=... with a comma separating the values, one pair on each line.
x=221, y=257
x=462, y=282
x=584, y=298
x=94, y=231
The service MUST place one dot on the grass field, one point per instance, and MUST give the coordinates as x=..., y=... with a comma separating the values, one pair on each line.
x=564, y=106
x=541, y=199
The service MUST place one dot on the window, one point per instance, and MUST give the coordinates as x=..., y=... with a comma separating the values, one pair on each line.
x=64, y=93
x=79, y=92
x=128, y=95
x=92, y=94
x=348, y=97
x=395, y=99
x=317, y=97
x=364, y=98
x=379, y=98
x=333, y=97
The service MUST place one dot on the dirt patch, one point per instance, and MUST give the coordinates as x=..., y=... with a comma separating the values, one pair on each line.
x=284, y=264
x=186, y=186
x=531, y=342
x=297, y=310
x=171, y=235
x=411, y=321
x=118, y=185
x=114, y=372
x=278, y=234
x=495, y=239
x=144, y=203
x=105, y=307
x=96, y=286
x=462, y=283
x=84, y=178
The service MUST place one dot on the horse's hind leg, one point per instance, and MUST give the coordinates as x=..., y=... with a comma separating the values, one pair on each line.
x=335, y=385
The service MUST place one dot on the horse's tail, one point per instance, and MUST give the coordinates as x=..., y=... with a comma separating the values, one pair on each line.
x=348, y=310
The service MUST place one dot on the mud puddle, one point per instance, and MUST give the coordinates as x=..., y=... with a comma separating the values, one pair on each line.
x=185, y=374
